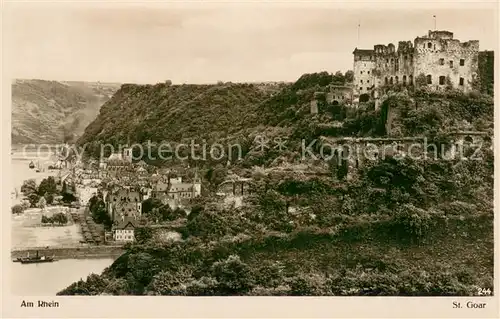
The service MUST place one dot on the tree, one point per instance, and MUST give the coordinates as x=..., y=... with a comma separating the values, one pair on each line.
x=33, y=198
x=149, y=204
x=154, y=215
x=29, y=187
x=143, y=234
x=169, y=283
x=17, y=209
x=60, y=218
x=68, y=198
x=47, y=220
x=94, y=201
x=233, y=275
x=349, y=76
x=338, y=78
x=47, y=186
x=215, y=176
x=270, y=275
x=64, y=188
x=175, y=214
x=195, y=211
x=49, y=198
x=67, y=194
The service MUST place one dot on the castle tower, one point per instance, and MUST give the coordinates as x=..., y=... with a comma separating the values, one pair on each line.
x=364, y=64
x=196, y=185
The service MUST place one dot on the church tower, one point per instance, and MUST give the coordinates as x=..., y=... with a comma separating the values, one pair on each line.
x=196, y=185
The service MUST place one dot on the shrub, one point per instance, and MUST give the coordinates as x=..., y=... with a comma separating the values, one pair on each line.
x=17, y=209
x=411, y=222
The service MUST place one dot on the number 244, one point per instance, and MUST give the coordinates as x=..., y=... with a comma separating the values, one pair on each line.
x=483, y=292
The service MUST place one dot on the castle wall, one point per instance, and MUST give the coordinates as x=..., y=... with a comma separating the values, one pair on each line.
x=394, y=67
x=447, y=61
x=339, y=94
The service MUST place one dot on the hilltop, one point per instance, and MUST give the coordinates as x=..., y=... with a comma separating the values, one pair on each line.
x=54, y=111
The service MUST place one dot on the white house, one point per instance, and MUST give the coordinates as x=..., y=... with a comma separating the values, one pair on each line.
x=124, y=231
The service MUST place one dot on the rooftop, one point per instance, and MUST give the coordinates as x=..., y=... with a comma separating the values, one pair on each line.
x=125, y=222
x=363, y=51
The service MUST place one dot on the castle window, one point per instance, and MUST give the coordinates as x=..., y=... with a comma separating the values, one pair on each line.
x=368, y=72
x=391, y=81
x=360, y=88
x=386, y=81
x=451, y=63
x=442, y=80
x=441, y=61
x=404, y=79
x=461, y=81
x=411, y=79
x=361, y=81
x=367, y=81
x=386, y=60
x=429, y=79
x=462, y=62
x=397, y=80
x=392, y=61
x=361, y=72
x=429, y=45
x=367, y=88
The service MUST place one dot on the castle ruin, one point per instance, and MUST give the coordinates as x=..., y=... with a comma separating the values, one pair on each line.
x=437, y=58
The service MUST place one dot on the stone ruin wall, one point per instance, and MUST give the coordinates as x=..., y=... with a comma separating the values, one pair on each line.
x=444, y=58
x=360, y=151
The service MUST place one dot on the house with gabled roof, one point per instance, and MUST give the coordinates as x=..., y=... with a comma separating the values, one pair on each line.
x=125, y=230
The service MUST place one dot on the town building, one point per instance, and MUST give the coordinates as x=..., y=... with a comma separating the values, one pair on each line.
x=124, y=230
x=439, y=60
x=123, y=202
x=175, y=189
x=120, y=160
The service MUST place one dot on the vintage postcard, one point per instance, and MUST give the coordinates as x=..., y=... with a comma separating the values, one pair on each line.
x=249, y=159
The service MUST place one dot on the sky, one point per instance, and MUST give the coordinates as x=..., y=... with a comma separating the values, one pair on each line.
x=210, y=42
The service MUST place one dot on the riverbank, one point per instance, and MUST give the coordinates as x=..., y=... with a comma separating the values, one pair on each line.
x=27, y=230
x=83, y=252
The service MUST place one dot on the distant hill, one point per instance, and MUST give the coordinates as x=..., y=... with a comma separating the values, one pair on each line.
x=175, y=112
x=52, y=111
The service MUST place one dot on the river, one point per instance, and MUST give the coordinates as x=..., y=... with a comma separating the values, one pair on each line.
x=45, y=279
x=48, y=279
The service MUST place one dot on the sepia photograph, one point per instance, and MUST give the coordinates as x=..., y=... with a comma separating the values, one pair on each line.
x=249, y=149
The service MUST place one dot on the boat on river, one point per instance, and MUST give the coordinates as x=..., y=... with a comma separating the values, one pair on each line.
x=33, y=260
